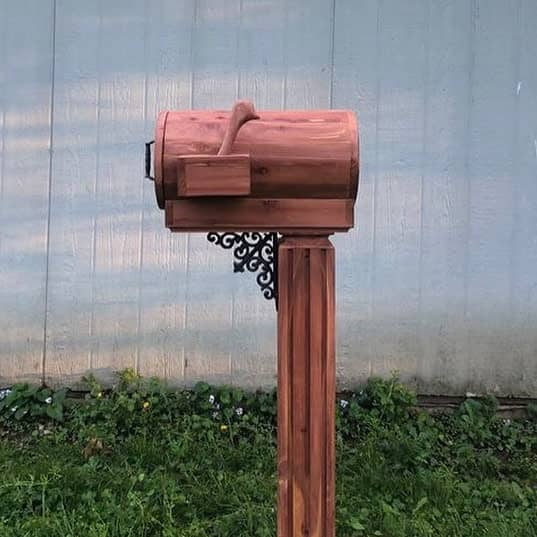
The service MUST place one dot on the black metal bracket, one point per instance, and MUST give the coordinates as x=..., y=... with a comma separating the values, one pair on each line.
x=255, y=252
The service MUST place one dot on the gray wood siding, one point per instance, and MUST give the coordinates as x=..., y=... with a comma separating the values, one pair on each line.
x=438, y=281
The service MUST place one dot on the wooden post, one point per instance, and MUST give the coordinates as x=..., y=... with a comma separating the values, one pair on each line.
x=306, y=387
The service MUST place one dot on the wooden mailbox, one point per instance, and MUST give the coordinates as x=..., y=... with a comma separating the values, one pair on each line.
x=282, y=181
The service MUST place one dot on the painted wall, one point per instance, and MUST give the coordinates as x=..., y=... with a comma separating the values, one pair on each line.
x=438, y=281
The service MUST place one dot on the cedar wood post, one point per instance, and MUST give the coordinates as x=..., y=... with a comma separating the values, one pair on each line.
x=306, y=387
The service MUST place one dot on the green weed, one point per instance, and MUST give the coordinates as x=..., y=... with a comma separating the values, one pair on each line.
x=141, y=460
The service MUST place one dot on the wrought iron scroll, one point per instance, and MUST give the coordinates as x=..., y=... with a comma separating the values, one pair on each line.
x=255, y=252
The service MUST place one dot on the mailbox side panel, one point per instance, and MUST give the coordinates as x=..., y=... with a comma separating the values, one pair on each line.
x=294, y=154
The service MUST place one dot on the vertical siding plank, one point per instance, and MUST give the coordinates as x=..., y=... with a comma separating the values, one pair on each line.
x=444, y=197
x=164, y=256
x=97, y=199
x=73, y=192
x=356, y=81
x=491, y=196
x=25, y=97
x=209, y=314
x=262, y=73
x=402, y=64
x=523, y=365
x=262, y=52
x=308, y=48
x=119, y=187
x=449, y=163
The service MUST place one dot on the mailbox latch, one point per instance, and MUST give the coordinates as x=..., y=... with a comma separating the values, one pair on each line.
x=148, y=160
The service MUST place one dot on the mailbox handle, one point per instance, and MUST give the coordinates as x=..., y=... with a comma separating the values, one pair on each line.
x=241, y=112
x=148, y=160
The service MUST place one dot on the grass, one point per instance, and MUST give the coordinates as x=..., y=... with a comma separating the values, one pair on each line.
x=143, y=461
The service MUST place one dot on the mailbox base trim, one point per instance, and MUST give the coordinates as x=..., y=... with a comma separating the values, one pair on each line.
x=306, y=216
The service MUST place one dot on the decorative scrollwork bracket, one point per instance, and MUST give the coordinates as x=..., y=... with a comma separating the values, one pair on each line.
x=255, y=252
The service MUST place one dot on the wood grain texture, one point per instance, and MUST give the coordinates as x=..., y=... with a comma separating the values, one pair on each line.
x=452, y=134
x=205, y=175
x=397, y=231
x=310, y=154
x=209, y=306
x=309, y=41
x=209, y=176
x=447, y=110
x=261, y=75
x=95, y=252
x=25, y=151
x=243, y=110
x=283, y=215
x=489, y=200
x=306, y=388
x=358, y=44
x=523, y=253
x=164, y=265
x=118, y=220
x=73, y=204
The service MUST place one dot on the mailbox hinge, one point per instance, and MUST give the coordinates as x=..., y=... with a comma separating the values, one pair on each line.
x=255, y=252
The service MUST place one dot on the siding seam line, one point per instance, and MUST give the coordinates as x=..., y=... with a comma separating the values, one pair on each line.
x=95, y=219
x=424, y=152
x=3, y=113
x=517, y=50
x=49, y=201
x=332, y=55
x=142, y=197
x=468, y=176
x=283, y=97
x=375, y=179
x=192, y=55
